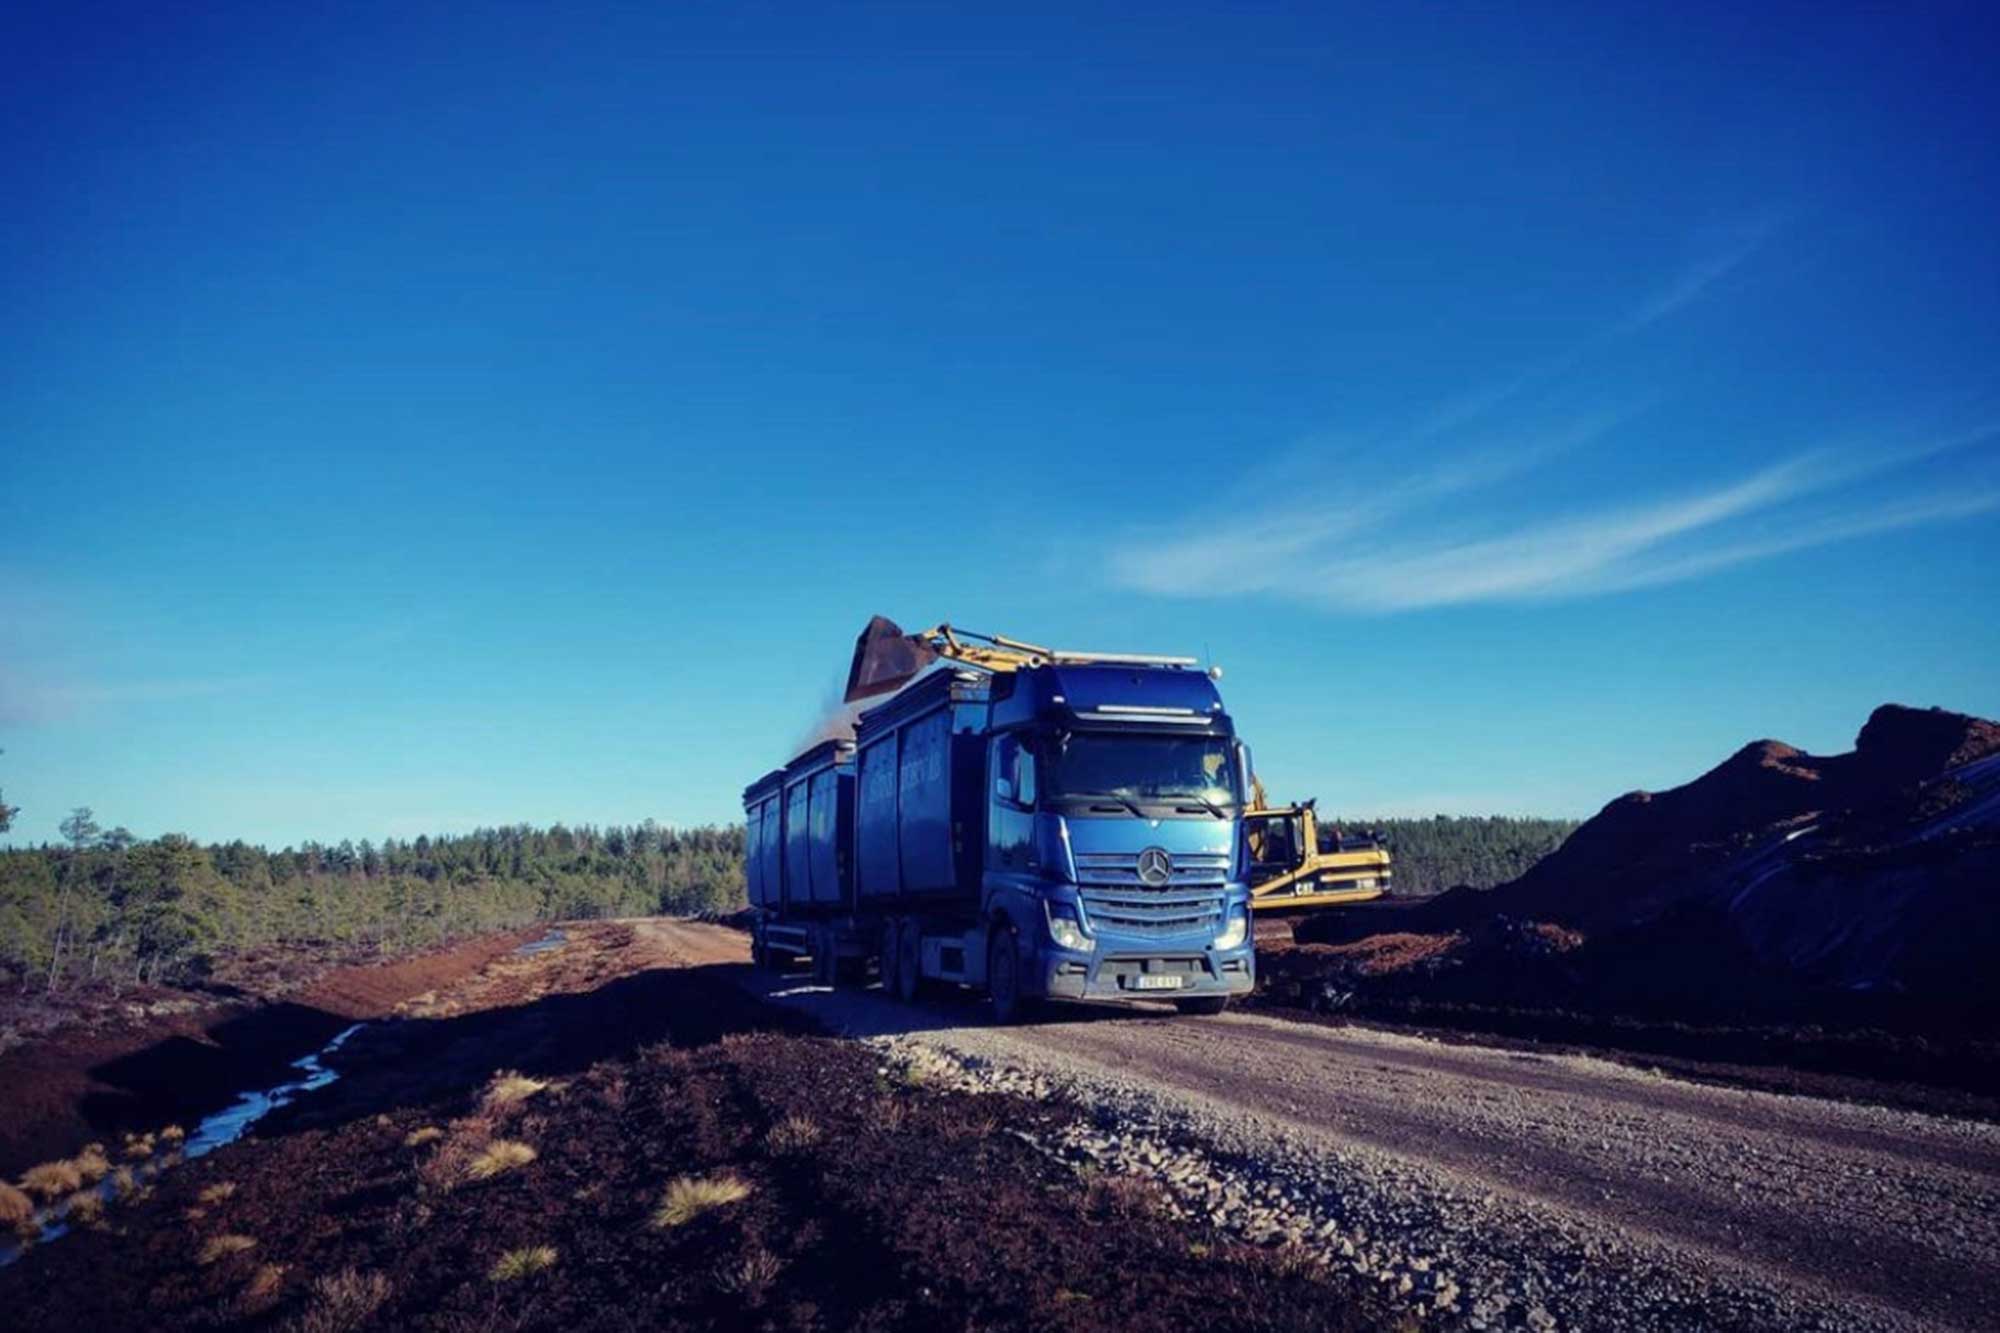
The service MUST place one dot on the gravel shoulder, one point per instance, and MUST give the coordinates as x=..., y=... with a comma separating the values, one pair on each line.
x=1497, y=1188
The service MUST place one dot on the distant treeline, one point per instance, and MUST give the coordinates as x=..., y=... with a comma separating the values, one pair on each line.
x=1445, y=851
x=108, y=906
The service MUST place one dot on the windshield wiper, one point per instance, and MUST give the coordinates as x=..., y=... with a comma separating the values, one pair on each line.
x=1123, y=804
x=1201, y=803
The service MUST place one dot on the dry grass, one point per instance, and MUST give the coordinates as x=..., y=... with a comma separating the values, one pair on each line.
x=499, y=1156
x=172, y=1135
x=138, y=1147
x=509, y=1088
x=691, y=1196
x=52, y=1180
x=85, y=1208
x=216, y=1193
x=417, y=1138
x=123, y=1181
x=1125, y=1196
x=261, y=1292
x=217, y=1248
x=522, y=1263
x=15, y=1207
x=751, y=1276
x=792, y=1135
x=342, y=1302
x=91, y=1163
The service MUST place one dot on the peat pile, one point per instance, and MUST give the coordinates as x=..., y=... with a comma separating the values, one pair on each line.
x=1856, y=889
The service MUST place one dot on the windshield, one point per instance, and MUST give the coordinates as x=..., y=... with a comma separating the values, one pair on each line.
x=1197, y=769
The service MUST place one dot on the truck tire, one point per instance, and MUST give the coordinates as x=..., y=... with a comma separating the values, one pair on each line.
x=760, y=956
x=1003, y=978
x=890, y=937
x=909, y=965
x=1202, y=1004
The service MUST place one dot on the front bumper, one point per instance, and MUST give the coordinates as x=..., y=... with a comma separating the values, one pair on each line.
x=1111, y=973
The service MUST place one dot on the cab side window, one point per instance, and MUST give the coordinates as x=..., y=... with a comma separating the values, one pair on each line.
x=1013, y=771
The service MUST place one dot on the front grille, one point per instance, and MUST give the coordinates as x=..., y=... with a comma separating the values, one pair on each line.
x=1115, y=902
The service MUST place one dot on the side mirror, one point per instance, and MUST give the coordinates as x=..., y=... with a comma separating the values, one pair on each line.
x=1004, y=788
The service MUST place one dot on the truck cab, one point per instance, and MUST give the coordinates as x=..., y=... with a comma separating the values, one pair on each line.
x=1112, y=866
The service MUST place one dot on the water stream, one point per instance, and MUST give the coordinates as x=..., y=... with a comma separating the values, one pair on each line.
x=215, y=1131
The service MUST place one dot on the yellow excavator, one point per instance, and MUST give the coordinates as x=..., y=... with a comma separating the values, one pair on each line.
x=1290, y=869
x=1296, y=865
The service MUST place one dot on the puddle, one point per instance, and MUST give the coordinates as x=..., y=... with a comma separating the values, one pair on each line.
x=215, y=1131
x=555, y=939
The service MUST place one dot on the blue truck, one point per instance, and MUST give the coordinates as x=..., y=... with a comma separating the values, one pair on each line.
x=1031, y=824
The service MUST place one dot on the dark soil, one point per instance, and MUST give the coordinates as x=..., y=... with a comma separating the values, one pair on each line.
x=159, y=1056
x=909, y=1208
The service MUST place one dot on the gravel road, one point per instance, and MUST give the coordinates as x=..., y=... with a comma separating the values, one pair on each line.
x=1494, y=1188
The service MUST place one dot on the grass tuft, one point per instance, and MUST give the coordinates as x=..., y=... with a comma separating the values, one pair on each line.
x=216, y=1193
x=91, y=1163
x=499, y=1156
x=172, y=1134
x=261, y=1292
x=342, y=1302
x=52, y=1180
x=522, y=1263
x=138, y=1147
x=792, y=1135
x=218, y=1248
x=85, y=1208
x=417, y=1138
x=691, y=1196
x=751, y=1276
x=15, y=1207
x=509, y=1088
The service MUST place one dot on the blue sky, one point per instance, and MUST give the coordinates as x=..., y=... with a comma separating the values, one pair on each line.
x=416, y=417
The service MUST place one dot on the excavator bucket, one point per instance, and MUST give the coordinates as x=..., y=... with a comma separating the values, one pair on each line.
x=885, y=659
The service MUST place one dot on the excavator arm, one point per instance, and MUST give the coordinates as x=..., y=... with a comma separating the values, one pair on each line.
x=886, y=659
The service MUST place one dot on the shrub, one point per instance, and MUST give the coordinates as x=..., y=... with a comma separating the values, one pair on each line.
x=15, y=1207
x=417, y=1138
x=217, y=1248
x=794, y=1134
x=691, y=1196
x=52, y=1180
x=342, y=1302
x=524, y=1262
x=499, y=1156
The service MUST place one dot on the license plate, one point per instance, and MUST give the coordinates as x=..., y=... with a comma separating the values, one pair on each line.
x=1162, y=981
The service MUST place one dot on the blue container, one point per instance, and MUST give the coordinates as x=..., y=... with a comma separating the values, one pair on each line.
x=919, y=822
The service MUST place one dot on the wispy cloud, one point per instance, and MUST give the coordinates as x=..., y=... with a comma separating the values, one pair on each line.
x=1327, y=556
x=1700, y=274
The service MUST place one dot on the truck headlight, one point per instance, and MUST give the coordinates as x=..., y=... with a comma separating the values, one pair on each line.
x=1067, y=931
x=1234, y=932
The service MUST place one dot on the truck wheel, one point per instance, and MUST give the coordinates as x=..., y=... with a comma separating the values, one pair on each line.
x=888, y=964
x=1202, y=1004
x=1003, y=978
x=760, y=957
x=909, y=966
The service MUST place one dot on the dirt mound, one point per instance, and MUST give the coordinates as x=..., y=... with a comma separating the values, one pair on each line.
x=1648, y=850
x=1781, y=888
